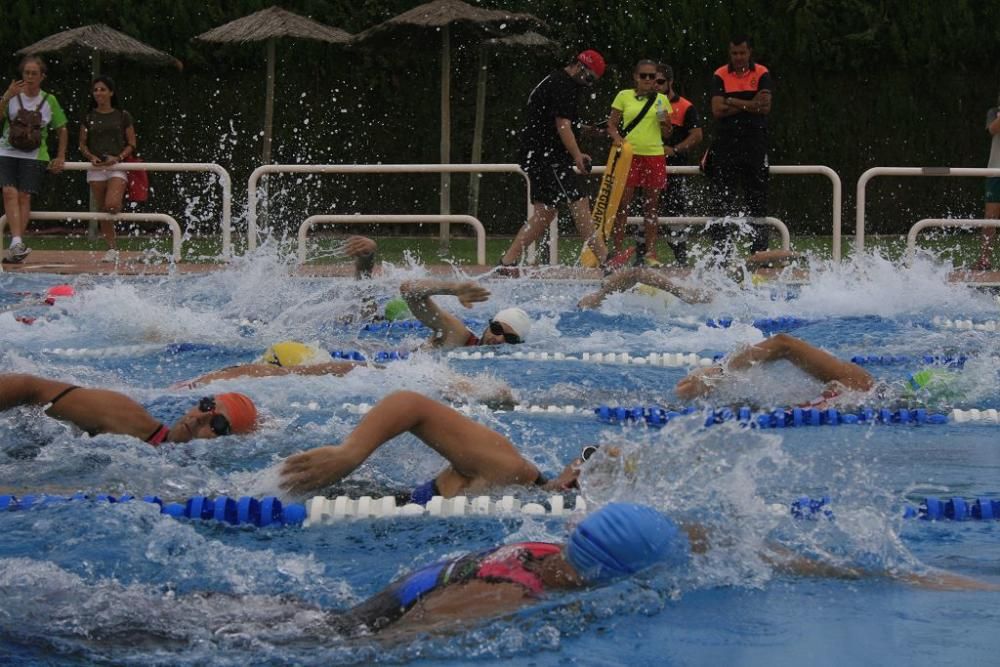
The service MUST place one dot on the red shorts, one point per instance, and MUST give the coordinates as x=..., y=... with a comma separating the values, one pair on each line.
x=647, y=171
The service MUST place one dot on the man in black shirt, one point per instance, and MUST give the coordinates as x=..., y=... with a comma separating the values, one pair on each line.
x=549, y=153
x=741, y=102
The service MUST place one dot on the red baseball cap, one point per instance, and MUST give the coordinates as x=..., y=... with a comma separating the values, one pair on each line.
x=593, y=61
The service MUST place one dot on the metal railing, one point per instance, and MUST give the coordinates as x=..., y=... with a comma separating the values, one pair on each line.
x=859, y=229
x=117, y=217
x=368, y=169
x=911, y=236
x=393, y=219
x=783, y=169
x=194, y=167
x=704, y=221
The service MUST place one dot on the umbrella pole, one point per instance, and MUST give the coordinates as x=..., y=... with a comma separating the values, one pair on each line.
x=445, y=132
x=268, y=125
x=95, y=71
x=477, y=133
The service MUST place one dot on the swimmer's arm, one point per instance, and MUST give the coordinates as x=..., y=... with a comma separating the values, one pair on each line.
x=785, y=560
x=495, y=393
x=816, y=362
x=469, y=600
x=243, y=370
x=338, y=368
x=449, y=331
x=362, y=249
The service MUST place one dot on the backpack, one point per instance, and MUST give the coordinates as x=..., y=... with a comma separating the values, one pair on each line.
x=26, y=126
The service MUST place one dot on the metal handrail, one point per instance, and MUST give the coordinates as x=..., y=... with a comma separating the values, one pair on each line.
x=778, y=169
x=366, y=169
x=911, y=236
x=859, y=228
x=175, y=228
x=224, y=180
x=393, y=219
x=786, y=241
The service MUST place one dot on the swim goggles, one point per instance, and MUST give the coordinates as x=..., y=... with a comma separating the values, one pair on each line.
x=496, y=328
x=588, y=452
x=219, y=423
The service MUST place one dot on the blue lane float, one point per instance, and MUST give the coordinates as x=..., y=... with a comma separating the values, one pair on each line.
x=780, y=418
x=378, y=357
x=930, y=509
x=767, y=325
x=408, y=325
x=245, y=511
x=903, y=360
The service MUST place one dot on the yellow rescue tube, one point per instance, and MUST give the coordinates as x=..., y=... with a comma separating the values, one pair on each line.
x=609, y=195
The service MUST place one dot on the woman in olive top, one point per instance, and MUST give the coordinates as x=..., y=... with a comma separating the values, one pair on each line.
x=107, y=137
x=646, y=136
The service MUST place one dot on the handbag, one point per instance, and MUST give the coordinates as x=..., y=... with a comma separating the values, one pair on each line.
x=138, y=182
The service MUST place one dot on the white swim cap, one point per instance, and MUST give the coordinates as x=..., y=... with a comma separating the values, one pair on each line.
x=517, y=320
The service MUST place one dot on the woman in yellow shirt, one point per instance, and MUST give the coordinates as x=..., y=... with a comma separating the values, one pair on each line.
x=648, y=169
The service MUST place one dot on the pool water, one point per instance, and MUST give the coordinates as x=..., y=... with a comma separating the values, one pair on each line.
x=94, y=582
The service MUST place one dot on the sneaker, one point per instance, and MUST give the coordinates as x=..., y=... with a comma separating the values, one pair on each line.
x=17, y=252
x=110, y=257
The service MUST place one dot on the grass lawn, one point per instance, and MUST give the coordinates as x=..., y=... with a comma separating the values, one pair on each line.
x=961, y=247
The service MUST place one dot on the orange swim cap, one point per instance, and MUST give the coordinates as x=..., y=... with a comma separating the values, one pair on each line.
x=241, y=411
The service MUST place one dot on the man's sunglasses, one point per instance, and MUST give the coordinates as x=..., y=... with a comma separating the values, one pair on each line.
x=219, y=423
x=588, y=452
x=496, y=328
x=647, y=75
x=587, y=76
x=661, y=81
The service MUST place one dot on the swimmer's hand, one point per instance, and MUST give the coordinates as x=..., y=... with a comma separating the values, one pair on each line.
x=359, y=246
x=316, y=469
x=469, y=293
x=592, y=300
x=699, y=383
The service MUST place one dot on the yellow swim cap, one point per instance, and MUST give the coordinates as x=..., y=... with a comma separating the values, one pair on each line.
x=293, y=353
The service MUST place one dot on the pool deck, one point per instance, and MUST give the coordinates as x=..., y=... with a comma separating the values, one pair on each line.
x=74, y=262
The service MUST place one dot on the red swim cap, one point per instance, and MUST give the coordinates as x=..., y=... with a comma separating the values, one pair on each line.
x=593, y=61
x=240, y=409
x=60, y=290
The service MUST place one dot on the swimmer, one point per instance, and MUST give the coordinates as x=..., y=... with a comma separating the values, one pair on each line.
x=838, y=375
x=616, y=541
x=294, y=358
x=629, y=278
x=362, y=249
x=626, y=279
x=511, y=325
x=479, y=458
x=103, y=411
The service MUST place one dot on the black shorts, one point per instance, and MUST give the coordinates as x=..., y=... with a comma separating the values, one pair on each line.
x=24, y=174
x=554, y=183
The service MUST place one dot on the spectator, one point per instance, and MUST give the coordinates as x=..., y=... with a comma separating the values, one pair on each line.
x=741, y=102
x=24, y=154
x=684, y=139
x=107, y=137
x=549, y=152
x=985, y=261
x=646, y=115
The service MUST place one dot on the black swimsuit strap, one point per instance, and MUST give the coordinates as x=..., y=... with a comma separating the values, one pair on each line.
x=59, y=397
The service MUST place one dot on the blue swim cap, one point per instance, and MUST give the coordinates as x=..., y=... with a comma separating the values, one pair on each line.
x=623, y=538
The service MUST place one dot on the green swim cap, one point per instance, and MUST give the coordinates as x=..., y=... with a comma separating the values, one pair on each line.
x=396, y=309
x=935, y=382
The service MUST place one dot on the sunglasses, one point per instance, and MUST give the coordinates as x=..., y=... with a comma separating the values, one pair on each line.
x=587, y=76
x=496, y=328
x=588, y=452
x=661, y=81
x=219, y=423
x=647, y=75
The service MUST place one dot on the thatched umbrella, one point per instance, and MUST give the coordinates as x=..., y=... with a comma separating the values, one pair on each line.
x=93, y=41
x=268, y=25
x=525, y=41
x=411, y=28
